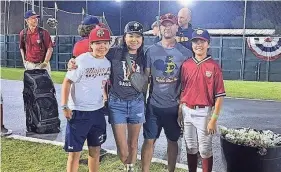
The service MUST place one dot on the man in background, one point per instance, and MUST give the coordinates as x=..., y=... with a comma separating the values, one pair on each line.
x=36, y=46
x=185, y=28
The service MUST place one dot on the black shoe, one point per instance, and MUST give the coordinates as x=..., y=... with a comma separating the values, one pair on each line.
x=5, y=131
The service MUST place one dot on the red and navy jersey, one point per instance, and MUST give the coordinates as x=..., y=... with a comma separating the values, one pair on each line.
x=202, y=82
x=80, y=47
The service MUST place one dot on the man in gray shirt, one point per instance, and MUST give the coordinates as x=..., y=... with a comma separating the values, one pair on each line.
x=163, y=63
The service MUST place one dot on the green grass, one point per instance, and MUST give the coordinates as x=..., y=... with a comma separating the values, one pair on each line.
x=27, y=156
x=241, y=89
x=17, y=74
x=254, y=90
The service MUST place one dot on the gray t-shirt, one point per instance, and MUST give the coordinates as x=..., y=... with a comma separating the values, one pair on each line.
x=165, y=64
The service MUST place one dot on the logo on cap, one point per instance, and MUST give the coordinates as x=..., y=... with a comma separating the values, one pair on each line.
x=136, y=25
x=199, y=32
x=100, y=33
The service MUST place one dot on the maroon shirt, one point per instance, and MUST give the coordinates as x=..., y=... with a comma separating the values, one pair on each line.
x=202, y=82
x=33, y=51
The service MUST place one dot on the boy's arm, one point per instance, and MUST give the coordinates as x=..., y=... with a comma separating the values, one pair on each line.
x=64, y=98
x=219, y=93
x=70, y=78
x=65, y=91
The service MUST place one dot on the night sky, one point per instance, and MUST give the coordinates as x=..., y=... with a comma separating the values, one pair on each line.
x=205, y=14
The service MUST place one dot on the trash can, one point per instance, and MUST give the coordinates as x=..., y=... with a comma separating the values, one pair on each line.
x=239, y=158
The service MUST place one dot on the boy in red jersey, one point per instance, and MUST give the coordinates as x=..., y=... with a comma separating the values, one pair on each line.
x=201, y=100
x=84, y=29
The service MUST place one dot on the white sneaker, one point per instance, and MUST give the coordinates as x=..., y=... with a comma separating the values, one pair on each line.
x=129, y=168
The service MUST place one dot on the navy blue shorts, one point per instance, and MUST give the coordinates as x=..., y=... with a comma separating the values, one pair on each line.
x=158, y=118
x=90, y=125
x=126, y=111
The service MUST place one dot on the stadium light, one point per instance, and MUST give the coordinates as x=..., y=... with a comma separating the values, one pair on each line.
x=185, y=2
x=117, y=0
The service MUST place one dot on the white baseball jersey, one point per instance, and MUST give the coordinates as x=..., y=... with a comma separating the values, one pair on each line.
x=89, y=79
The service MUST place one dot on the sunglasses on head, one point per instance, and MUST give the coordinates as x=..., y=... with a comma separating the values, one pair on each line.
x=167, y=16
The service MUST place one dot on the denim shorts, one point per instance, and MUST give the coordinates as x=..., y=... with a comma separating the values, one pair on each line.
x=158, y=118
x=126, y=111
x=90, y=125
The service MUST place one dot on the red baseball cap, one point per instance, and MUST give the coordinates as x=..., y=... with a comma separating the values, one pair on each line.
x=168, y=17
x=99, y=34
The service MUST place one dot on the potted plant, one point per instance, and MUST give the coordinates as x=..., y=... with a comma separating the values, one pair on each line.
x=250, y=150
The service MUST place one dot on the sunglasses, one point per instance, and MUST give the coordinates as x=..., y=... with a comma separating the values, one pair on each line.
x=168, y=16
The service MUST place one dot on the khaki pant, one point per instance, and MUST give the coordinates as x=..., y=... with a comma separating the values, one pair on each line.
x=195, y=131
x=30, y=66
x=1, y=101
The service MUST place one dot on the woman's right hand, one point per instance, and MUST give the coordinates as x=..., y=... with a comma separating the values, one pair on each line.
x=71, y=65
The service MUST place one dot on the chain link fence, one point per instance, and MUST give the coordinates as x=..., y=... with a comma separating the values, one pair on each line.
x=12, y=18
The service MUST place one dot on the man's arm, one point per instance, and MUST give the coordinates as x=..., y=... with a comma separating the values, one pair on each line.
x=22, y=52
x=147, y=72
x=182, y=84
x=49, y=45
x=48, y=55
x=22, y=46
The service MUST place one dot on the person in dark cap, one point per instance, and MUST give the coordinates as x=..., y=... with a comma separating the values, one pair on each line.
x=84, y=29
x=125, y=103
x=201, y=101
x=35, y=45
x=156, y=32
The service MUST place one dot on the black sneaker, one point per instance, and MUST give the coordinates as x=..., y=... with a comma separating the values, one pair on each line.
x=5, y=131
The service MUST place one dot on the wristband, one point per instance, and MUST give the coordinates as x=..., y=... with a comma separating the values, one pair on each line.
x=215, y=116
x=64, y=107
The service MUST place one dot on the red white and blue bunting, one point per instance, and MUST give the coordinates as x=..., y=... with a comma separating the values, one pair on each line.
x=265, y=48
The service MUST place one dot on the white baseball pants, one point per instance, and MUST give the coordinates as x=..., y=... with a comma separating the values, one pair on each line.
x=195, y=133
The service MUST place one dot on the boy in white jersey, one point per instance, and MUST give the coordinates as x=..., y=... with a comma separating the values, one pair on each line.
x=83, y=96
